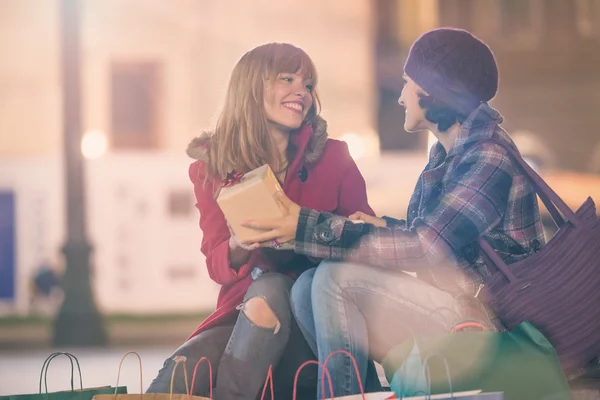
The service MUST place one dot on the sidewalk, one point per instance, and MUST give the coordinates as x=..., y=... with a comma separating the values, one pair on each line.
x=29, y=342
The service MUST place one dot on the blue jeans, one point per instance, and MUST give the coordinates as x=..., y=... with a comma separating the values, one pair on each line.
x=241, y=353
x=366, y=311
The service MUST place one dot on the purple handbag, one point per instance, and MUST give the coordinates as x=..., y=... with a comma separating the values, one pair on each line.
x=558, y=288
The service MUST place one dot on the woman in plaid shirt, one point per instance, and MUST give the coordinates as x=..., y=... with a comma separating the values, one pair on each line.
x=362, y=301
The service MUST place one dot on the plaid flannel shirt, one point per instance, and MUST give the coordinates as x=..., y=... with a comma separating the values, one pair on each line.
x=460, y=195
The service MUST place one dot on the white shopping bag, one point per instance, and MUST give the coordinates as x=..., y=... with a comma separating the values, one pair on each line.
x=470, y=395
x=368, y=396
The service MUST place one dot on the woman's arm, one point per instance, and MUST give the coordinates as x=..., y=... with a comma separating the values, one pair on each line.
x=226, y=262
x=472, y=203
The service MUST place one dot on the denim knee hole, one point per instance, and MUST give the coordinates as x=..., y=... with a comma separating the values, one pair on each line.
x=258, y=316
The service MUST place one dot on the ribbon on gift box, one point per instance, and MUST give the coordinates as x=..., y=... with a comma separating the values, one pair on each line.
x=232, y=178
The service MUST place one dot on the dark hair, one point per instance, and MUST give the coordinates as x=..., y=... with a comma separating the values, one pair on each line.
x=440, y=113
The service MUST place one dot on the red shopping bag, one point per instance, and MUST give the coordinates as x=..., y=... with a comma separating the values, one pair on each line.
x=325, y=373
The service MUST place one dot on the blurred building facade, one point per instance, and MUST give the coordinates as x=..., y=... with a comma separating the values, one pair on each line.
x=549, y=59
x=153, y=75
x=155, y=72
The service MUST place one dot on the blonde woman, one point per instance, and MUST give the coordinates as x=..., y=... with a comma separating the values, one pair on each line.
x=270, y=117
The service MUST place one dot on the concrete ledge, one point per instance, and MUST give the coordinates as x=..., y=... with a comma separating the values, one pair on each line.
x=122, y=330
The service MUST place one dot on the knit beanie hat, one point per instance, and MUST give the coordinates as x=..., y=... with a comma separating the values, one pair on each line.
x=455, y=67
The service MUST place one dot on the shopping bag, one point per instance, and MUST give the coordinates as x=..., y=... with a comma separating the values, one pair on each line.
x=520, y=363
x=325, y=374
x=180, y=360
x=73, y=394
x=471, y=395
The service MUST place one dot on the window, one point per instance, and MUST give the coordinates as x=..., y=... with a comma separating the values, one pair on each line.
x=456, y=13
x=387, y=24
x=7, y=246
x=134, y=105
x=587, y=14
x=180, y=203
x=521, y=22
x=515, y=15
x=181, y=273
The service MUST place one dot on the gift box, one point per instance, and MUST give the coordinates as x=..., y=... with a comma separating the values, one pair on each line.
x=249, y=196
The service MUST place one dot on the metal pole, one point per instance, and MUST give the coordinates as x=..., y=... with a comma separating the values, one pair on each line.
x=78, y=322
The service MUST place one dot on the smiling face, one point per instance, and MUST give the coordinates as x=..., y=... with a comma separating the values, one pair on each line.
x=288, y=99
x=272, y=88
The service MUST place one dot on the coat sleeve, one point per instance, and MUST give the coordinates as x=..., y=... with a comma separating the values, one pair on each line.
x=472, y=203
x=352, y=195
x=215, y=234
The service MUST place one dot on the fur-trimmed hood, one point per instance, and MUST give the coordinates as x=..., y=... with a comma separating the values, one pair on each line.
x=315, y=140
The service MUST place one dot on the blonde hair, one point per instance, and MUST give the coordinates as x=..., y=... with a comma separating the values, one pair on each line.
x=241, y=140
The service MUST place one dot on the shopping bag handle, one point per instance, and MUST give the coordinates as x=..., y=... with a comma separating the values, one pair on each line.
x=210, y=376
x=344, y=352
x=325, y=372
x=469, y=324
x=428, y=374
x=269, y=380
x=179, y=360
x=427, y=395
x=46, y=365
x=119, y=372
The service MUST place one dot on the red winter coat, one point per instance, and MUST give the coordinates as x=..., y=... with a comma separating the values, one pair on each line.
x=323, y=176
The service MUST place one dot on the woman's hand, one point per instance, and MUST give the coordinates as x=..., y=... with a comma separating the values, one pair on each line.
x=279, y=230
x=235, y=244
x=239, y=253
x=369, y=219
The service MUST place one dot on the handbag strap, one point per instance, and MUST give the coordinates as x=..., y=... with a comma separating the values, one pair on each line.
x=549, y=197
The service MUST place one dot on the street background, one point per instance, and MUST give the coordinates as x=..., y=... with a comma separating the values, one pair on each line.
x=99, y=98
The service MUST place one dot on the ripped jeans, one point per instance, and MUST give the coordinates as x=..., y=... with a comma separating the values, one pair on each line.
x=366, y=311
x=242, y=353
